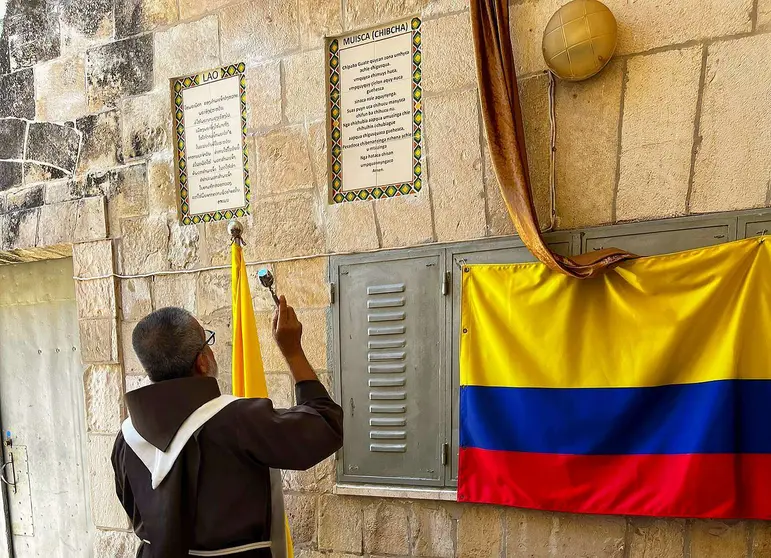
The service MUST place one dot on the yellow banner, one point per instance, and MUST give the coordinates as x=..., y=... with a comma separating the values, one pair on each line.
x=681, y=318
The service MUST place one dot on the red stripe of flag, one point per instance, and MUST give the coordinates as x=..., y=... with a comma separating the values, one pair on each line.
x=727, y=486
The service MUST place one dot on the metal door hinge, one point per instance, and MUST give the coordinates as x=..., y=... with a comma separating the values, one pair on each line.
x=332, y=293
x=445, y=453
x=446, y=283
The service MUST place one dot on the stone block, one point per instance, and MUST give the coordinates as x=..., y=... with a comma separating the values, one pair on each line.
x=12, y=134
x=761, y=539
x=86, y=23
x=96, y=298
x=27, y=198
x=10, y=175
x=145, y=245
x=98, y=340
x=282, y=162
x=732, y=166
x=101, y=148
x=105, y=506
x=386, y=528
x=642, y=28
x=146, y=124
x=656, y=144
x=263, y=92
x=713, y=538
x=32, y=31
x=103, y=386
x=136, y=16
x=60, y=89
x=764, y=15
x=584, y=536
x=317, y=140
x=187, y=48
x=301, y=510
x=54, y=145
x=314, y=340
x=92, y=259
x=305, y=283
x=340, y=524
x=480, y=532
x=17, y=94
x=351, y=227
x=193, y=8
x=405, y=221
x=455, y=166
x=18, y=229
x=318, y=19
x=163, y=190
x=117, y=70
x=587, y=147
x=448, y=53
x=366, y=13
x=661, y=538
x=174, y=290
x=126, y=191
x=434, y=8
x=304, y=91
x=130, y=360
x=115, y=544
x=527, y=22
x=431, y=529
x=529, y=533
x=136, y=302
x=284, y=226
x=57, y=224
x=183, y=244
x=267, y=29
x=91, y=220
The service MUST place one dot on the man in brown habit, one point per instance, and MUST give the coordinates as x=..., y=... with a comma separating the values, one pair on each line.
x=194, y=469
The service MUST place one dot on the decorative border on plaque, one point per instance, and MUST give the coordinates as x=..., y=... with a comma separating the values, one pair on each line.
x=338, y=195
x=180, y=85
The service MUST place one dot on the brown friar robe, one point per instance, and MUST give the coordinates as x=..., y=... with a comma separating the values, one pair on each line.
x=208, y=489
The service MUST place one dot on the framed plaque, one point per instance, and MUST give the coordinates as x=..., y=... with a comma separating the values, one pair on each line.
x=375, y=113
x=211, y=159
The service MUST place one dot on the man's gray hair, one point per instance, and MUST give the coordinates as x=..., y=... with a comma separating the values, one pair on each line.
x=167, y=343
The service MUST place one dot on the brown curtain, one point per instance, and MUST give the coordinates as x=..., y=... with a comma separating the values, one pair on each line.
x=506, y=140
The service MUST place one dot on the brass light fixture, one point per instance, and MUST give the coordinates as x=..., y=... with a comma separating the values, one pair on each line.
x=579, y=39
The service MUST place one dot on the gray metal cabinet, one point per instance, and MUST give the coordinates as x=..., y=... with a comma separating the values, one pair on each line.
x=675, y=235
x=755, y=225
x=390, y=326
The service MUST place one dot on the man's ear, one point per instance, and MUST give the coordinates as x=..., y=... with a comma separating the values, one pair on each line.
x=200, y=366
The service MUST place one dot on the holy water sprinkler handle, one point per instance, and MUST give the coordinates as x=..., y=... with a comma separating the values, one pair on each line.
x=266, y=280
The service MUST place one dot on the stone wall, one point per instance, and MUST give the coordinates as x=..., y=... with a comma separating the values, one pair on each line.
x=678, y=123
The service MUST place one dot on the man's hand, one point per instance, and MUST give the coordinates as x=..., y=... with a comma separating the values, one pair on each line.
x=287, y=330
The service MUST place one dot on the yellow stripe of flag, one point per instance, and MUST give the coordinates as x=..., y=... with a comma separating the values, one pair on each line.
x=248, y=371
x=674, y=319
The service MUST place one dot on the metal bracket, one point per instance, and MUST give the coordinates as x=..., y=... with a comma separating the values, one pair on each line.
x=446, y=283
x=332, y=293
x=13, y=472
x=445, y=453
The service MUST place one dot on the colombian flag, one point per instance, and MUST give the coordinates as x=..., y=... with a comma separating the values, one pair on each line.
x=643, y=392
x=247, y=370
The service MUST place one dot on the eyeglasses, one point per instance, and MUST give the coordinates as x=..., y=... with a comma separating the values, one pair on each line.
x=210, y=339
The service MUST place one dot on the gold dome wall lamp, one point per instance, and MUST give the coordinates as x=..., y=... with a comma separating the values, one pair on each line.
x=579, y=39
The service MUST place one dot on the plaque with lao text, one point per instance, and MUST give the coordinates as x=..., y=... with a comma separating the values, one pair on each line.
x=375, y=112
x=210, y=149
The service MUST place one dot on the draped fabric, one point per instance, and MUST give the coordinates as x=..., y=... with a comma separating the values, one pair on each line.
x=248, y=373
x=497, y=82
x=646, y=391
